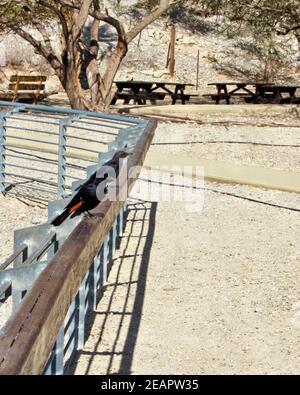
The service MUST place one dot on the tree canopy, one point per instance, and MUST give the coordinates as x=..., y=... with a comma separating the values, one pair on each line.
x=78, y=60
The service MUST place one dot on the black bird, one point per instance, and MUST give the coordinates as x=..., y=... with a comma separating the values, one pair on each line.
x=114, y=163
x=87, y=196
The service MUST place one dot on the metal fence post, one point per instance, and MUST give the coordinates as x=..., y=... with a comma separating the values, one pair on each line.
x=81, y=314
x=105, y=258
x=120, y=223
x=114, y=238
x=94, y=282
x=59, y=352
x=3, y=144
x=62, y=143
x=2, y=152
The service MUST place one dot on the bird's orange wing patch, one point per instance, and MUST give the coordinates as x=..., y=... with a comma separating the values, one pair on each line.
x=74, y=208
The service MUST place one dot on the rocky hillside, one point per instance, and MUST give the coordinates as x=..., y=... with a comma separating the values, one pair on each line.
x=222, y=56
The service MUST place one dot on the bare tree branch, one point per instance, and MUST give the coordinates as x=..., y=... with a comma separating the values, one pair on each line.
x=81, y=18
x=59, y=14
x=101, y=17
x=39, y=26
x=96, y=22
x=38, y=46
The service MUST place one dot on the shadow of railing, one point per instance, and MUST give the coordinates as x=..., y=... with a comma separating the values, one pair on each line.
x=135, y=254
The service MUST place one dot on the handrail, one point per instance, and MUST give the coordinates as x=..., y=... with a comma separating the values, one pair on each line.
x=30, y=336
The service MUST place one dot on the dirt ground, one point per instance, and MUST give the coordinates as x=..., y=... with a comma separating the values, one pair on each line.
x=210, y=292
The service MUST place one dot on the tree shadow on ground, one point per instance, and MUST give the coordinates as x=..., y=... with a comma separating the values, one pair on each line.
x=184, y=16
x=192, y=20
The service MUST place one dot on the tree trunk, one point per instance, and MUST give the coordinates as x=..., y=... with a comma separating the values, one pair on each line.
x=297, y=35
x=73, y=88
x=106, y=82
x=70, y=79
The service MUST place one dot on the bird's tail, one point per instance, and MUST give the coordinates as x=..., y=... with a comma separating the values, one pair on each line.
x=60, y=218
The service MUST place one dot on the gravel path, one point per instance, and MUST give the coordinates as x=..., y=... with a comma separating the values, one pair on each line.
x=275, y=147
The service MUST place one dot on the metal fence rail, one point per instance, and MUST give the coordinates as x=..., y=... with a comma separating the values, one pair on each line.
x=47, y=259
x=40, y=147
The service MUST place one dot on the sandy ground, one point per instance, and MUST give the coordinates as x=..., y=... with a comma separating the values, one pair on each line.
x=211, y=292
x=16, y=214
x=274, y=147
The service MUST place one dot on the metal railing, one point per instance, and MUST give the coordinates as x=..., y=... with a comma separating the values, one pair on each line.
x=48, y=259
x=40, y=147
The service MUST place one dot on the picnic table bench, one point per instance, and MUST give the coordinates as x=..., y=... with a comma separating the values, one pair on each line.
x=254, y=92
x=25, y=88
x=142, y=91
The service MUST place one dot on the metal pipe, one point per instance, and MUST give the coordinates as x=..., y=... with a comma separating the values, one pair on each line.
x=46, y=160
x=70, y=136
x=32, y=120
x=115, y=125
x=31, y=130
x=61, y=177
x=33, y=169
x=94, y=131
x=83, y=149
x=38, y=254
x=13, y=257
x=35, y=108
x=33, y=140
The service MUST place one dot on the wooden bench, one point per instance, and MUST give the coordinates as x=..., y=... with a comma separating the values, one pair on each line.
x=182, y=97
x=25, y=89
x=217, y=97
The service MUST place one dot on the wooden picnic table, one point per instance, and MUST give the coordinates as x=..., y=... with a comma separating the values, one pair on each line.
x=254, y=92
x=142, y=91
x=275, y=93
x=225, y=90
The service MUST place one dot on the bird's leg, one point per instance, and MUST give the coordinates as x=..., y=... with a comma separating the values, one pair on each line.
x=87, y=214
